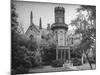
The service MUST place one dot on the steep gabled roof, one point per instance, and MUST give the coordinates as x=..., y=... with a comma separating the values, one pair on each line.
x=32, y=28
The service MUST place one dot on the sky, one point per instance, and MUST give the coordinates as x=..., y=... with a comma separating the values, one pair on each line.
x=43, y=10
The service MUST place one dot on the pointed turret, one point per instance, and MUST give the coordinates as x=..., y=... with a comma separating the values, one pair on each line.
x=40, y=24
x=31, y=18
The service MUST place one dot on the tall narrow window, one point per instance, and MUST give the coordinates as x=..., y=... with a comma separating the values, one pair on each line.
x=56, y=36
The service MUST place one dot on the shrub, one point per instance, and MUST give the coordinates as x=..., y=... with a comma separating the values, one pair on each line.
x=76, y=62
x=19, y=65
x=20, y=70
x=92, y=60
x=49, y=55
x=57, y=63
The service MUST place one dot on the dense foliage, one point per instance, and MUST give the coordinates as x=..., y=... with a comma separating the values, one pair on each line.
x=48, y=47
x=23, y=50
x=86, y=25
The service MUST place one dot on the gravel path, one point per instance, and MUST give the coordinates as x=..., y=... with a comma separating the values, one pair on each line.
x=59, y=69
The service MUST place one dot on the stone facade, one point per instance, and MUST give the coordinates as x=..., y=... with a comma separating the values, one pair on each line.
x=33, y=31
x=36, y=31
x=59, y=31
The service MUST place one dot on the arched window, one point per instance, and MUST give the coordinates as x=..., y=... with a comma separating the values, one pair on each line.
x=61, y=35
x=31, y=37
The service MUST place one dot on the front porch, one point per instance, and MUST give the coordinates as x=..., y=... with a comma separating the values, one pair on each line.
x=63, y=53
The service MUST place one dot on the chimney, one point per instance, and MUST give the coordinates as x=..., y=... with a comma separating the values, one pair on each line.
x=48, y=27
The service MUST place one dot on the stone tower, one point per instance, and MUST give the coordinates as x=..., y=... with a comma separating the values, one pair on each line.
x=60, y=33
x=59, y=15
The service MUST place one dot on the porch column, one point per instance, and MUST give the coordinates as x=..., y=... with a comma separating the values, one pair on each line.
x=69, y=54
x=64, y=54
x=56, y=54
x=61, y=53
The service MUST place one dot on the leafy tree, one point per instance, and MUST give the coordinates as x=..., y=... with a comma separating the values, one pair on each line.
x=48, y=47
x=14, y=16
x=22, y=49
x=88, y=29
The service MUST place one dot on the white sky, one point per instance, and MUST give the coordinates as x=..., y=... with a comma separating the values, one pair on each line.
x=43, y=10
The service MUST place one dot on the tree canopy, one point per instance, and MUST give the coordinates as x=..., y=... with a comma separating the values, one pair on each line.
x=86, y=25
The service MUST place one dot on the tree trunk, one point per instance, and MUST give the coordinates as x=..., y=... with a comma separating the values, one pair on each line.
x=82, y=59
x=90, y=64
